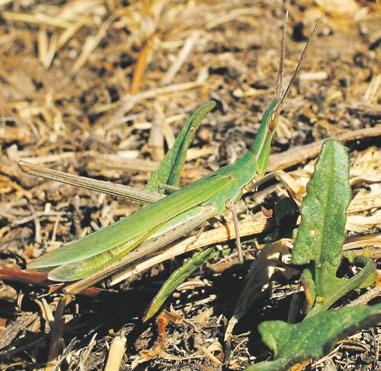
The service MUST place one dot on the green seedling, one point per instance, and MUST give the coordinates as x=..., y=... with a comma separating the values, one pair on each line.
x=320, y=237
x=318, y=247
x=314, y=336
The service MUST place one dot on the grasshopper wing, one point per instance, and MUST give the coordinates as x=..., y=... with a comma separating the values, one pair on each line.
x=99, y=266
x=137, y=227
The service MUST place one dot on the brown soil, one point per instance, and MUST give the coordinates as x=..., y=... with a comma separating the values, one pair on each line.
x=90, y=87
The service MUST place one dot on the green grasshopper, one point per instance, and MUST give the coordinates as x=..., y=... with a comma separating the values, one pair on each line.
x=167, y=217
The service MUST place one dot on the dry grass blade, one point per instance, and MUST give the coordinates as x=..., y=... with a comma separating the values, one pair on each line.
x=40, y=19
x=257, y=280
x=116, y=353
x=90, y=45
x=129, y=101
x=215, y=236
x=140, y=65
x=56, y=337
x=300, y=154
x=189, y=44
x=66, y=69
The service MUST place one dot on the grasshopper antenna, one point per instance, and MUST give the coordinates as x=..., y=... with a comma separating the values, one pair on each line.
x=280, y=77
x=298, y=66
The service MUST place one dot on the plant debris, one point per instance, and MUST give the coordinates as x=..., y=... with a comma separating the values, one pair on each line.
x=101, y=89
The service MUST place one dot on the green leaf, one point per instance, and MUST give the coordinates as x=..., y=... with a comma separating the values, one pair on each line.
x=168, y=172
x=322, y=230
x=313, y=337
x=178, y=277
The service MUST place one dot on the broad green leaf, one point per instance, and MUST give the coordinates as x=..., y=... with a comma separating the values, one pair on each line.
x=322, y=230
x=313, y=337
x=168, y=172
x=178, y=277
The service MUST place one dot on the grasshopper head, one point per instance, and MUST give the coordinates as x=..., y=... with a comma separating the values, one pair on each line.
x=273, y=122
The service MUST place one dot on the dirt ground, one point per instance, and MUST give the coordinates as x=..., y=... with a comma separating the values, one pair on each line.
x=100, y=89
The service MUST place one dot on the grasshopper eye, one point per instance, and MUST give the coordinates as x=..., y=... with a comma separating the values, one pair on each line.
x=273, y=119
